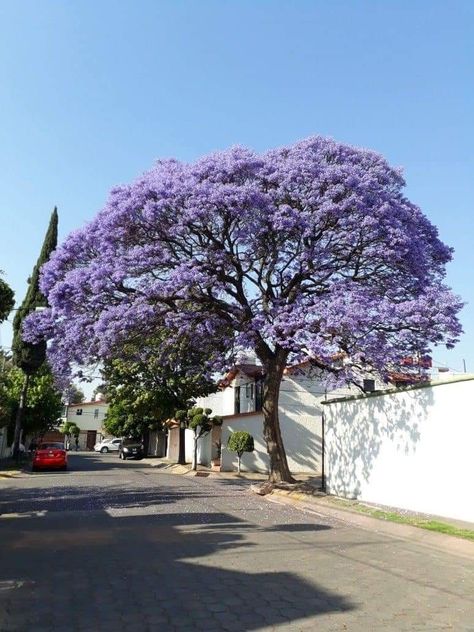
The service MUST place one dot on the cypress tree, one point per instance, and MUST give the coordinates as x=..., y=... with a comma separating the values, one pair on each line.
x=30, y=356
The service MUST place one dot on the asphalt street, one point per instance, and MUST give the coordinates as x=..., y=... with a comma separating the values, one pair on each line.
x=112, y=545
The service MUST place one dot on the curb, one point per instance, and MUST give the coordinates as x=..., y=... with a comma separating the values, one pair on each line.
x=12, y=474
x=430, y=539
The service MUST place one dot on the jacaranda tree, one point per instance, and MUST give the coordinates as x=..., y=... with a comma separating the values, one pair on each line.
x=310, y=250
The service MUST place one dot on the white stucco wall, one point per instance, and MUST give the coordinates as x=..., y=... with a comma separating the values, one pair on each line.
x=203, y=451
x=301, y=433
x=300, y=414
x=409, y=449
x=88, y=419
x=256, y=461
x=221, y=403
x=300, y=421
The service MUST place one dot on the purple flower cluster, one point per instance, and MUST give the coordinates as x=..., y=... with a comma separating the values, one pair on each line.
x=310, y=248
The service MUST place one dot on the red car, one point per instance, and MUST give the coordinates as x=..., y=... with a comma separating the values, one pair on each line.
x=49, y=455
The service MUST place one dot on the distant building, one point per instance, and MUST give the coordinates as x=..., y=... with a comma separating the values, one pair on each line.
x=89, y=417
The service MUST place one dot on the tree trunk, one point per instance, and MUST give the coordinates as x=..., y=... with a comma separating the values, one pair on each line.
x=279, y=470
x=19, y=418
x=238, y=463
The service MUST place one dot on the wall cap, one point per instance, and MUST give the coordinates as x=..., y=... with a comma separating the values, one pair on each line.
x=393, y=391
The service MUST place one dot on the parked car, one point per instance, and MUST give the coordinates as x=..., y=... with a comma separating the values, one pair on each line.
x=108, y=445
x=49, y=456
x=131, y=449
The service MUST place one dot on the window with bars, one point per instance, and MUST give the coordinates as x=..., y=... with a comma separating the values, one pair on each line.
x=258, y=395
x=237, y=400
x=249, y=390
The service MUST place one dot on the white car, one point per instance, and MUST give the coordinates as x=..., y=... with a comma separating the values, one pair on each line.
x=108, y=445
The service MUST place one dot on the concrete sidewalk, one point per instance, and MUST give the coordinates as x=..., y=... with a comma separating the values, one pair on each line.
x=325, y=507
x=308, y=496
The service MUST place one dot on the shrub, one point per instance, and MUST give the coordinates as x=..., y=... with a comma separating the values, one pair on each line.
x=240, y=442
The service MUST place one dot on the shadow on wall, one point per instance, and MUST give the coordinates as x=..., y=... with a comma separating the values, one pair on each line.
x=301, y=437
x=308, y=454
x=302, y=445
x=256, y=461
x=356, y=431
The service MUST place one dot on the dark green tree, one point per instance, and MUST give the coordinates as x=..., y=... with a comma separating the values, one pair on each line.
x=7, y=299
x=74, y=395
x=6, y=366
x=152, y=379
x=43, y=408
x=29, y=357
x=199, y=420
x=70, y=429
x=240, y=442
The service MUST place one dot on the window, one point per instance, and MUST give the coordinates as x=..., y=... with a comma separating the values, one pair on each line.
x=258, y=395
x=369, y=386
x=78, y=411
x=249, y=390
x=96, y=413
x=237, y=400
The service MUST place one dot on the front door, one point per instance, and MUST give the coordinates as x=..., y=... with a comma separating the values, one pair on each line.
x=91, y=439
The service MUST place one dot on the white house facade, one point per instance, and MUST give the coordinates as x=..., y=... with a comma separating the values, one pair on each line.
x=239, y=402
x=89, y=417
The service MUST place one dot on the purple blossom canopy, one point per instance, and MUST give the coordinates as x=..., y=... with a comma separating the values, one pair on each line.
x=312, y=248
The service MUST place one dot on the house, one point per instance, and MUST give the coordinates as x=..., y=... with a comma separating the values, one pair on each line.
x=89, y=417
x=239, y=401
x=229, y=398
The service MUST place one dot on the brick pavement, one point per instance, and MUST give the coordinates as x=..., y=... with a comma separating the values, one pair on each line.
x=118, y=546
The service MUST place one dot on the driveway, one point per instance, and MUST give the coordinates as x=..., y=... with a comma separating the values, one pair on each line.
x=113, y=545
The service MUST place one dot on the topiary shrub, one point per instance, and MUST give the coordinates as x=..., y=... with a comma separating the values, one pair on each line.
x=240, y=442
x=200, y=422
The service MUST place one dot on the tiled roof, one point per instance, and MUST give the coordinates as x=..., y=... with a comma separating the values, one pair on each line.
x=81, y=404
x=250, y=370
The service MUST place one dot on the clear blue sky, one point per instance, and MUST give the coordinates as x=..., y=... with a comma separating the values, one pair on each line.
x=92, y=92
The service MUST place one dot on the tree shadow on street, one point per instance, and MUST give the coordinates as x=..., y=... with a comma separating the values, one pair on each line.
x=88, y=498
x=166, y=572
